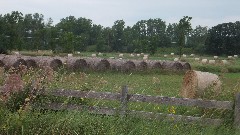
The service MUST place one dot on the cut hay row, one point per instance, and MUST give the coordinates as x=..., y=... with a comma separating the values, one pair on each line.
x=96, y=64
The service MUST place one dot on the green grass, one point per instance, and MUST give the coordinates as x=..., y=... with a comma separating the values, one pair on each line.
x=156, y=83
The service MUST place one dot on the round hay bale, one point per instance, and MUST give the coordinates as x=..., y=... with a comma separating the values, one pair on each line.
x=215, y=57
x=94, y=55
x=230, y=57
x=128, y=66
x=138, y=55
x=225, y=62
x=97, y=64
x=192, y=55
x=152, y=64
x=176, y=59
x=70, y=55
x=55, y=63
x=184, y=55
x=120, y=55
x=103, y=65
x=196, y=59
x=145, y=58
x=186, y=65
x=212, y=62
x=195, y=84
x=172, y=54
x=1, y=61
x=13, y=61
x=204, y=61
x=45, y=61
x=235, y=56
x=172, y=65
x=31, y=63
x=75, y=64
x=122, y=65
x=165, y=55
x=140, y=65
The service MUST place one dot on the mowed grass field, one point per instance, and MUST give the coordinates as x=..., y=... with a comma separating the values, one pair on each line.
x=156, y=83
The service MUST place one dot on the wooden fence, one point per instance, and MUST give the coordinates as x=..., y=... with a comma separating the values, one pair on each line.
x=124, y=98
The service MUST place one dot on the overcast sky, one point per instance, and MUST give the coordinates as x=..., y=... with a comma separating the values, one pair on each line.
x=106, y=12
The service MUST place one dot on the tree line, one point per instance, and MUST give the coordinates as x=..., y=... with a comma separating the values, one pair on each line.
x=33, y=32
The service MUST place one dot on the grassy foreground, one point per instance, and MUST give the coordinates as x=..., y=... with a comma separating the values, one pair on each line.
x=15, y=121
x=31, y=121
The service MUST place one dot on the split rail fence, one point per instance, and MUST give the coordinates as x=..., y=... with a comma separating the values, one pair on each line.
x=124, y=97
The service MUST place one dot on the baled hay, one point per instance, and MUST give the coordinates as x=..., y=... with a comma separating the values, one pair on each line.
x=120, y=55
x=100, y=54
x=204, y=61
x=172, y=54
x=138, y=55
x=176, y=59
x=128, y=66
x=145, y=58
x=122, y=65
x=235, y=56
x=1, y=63
x=103, y=65
x=78, y=52
x=94, y=55
x=111, y=57
x=142, y=54
x=16, y=53
x=131, y=55
x=172, y=65
x=76, y=64
x=55, y=63
x=70, y=55
x=196, y=59
x=31, y=63
x=212, y=62
x=92, y=62
x=215, y=57
x=140, y=65
x=145, y=55
x=186, y=65
x=1, y=60
x=116, y=64
x=13, y=61
x=97, y=64
x=230, y=57
x=43, y=61
x=192, y=55
x=184, y=55
x=153, y=64
x=195, y=84
x=165, y=55
x=63, y=59
x=225, y=62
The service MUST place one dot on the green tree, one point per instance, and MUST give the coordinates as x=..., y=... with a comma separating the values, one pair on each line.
x=183, y=29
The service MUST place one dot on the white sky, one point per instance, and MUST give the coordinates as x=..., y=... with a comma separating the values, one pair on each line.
x=106, y=12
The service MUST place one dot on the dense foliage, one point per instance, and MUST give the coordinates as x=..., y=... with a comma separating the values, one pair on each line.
x=32, y=32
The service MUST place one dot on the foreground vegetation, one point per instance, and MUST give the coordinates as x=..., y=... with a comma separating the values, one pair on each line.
x=27, y=120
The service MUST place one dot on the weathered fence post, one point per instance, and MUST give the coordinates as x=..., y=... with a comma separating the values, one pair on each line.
x=124, y=100
x=237, y=111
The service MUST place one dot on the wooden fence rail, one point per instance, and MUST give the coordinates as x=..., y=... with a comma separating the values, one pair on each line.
x=124, y=98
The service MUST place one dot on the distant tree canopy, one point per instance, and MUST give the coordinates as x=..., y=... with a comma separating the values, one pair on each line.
x=224, y=39
x=32, y=32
